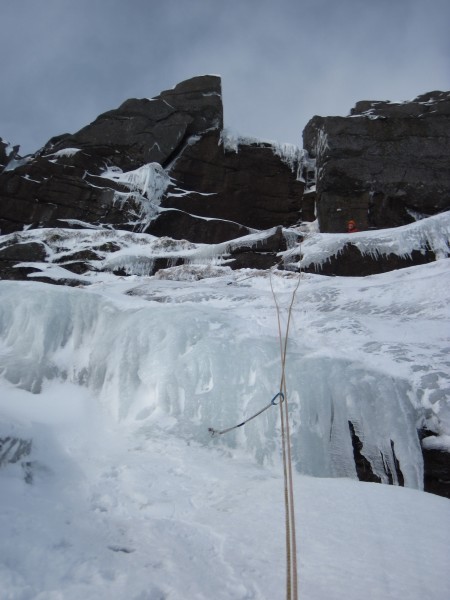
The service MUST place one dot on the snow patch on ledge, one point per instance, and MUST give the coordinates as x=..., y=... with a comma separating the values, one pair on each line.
x=432, y=233
x=290, y=154
x=64, y=152
x=438, y=442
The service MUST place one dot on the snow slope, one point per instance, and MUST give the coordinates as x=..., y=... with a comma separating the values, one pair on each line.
x=115, y=512
x=125, y=494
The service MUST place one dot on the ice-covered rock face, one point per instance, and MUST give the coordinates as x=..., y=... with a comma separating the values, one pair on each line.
x=7, y=153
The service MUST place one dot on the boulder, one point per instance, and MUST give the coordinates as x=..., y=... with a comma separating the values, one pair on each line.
x=23, y=252
x=382, y=164
x=259, y=253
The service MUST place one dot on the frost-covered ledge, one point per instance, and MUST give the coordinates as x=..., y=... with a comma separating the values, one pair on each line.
x=430, y=235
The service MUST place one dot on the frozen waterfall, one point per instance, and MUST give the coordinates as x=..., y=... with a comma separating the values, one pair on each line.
x=180, y=357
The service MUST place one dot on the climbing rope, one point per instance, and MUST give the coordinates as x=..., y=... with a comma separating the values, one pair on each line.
x=291, y=543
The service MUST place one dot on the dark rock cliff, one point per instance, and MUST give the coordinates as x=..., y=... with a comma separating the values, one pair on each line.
x=176, y=137
x=383, y=165
x=144, y=131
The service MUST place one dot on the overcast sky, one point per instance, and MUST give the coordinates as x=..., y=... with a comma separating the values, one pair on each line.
x=63, y=62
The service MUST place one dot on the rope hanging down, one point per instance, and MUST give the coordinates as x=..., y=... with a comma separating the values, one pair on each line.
x=291, y=543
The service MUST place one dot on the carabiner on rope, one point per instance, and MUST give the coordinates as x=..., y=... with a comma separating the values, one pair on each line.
x=275, y=397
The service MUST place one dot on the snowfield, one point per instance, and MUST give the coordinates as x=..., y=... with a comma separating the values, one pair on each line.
x=125, y=495
x=115, y=512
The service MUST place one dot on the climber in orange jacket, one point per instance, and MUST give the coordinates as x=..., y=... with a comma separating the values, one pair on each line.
x=351, y=227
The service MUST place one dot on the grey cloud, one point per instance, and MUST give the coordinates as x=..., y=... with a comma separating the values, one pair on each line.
x=281, y=62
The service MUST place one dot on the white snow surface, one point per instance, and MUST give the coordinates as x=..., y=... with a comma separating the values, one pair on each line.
x=64, y=152
x=126, y=495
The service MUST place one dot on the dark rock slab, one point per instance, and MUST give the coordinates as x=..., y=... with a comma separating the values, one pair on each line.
x=23, y=252
x=383, y=163
x=43, y=193
x=262, y=254
x=13, y=254
x=436, y=472
x=181, y=225
x=350, y=262
x=253, y=186
x=436, y=467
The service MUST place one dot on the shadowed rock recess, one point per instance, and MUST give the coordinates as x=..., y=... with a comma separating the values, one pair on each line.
x=165, y=167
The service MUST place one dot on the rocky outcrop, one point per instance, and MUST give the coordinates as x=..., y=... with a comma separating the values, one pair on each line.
x=436, y=464
x=157, y=166
x=364, y=468
x=382, y=164
x=250, y=185
x=60, y=184
x=7, y=153
x=43, y=193
x=15, y=253
x=181, y=225
x=142, y=131
x=351, y=262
